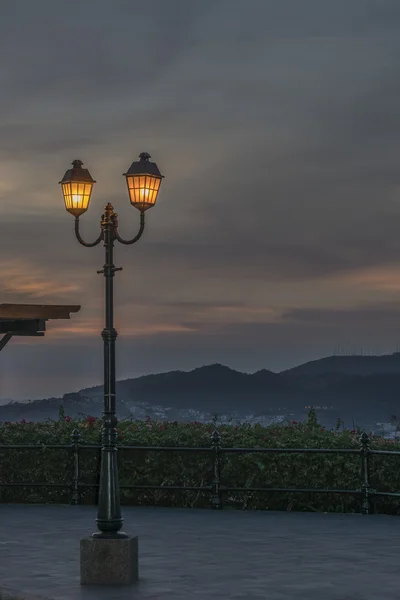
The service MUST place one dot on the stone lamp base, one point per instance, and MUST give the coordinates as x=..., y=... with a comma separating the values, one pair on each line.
x=109, y=561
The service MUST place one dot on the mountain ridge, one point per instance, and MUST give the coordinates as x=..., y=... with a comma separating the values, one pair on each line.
x=360, y=384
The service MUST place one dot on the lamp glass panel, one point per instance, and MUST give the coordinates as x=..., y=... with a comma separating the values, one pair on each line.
x=77, y=196
x=143, y=190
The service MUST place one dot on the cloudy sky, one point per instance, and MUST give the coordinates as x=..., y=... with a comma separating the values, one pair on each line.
x=276, y=235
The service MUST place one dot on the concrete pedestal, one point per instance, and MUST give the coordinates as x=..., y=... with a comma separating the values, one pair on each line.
x=109, y=561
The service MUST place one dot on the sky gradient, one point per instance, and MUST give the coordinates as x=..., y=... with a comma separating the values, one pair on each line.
x=276, y=234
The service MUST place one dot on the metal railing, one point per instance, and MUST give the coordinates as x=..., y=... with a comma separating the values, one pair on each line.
x=216, y=488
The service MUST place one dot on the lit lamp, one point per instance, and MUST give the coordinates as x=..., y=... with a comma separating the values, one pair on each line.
x=110, y=556
x=143, y=179
x=77, y=185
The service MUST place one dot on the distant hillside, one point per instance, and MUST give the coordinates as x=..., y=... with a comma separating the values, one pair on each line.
x=366, y=392
x=346, y=365
x=48, y=408
x=359, y=386
x=212, y=388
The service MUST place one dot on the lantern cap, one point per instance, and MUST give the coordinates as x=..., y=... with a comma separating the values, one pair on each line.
x=77, y=174
x=143, y=167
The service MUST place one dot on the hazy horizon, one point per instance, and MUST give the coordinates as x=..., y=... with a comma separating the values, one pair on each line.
x=119, y=378
x=340, y=352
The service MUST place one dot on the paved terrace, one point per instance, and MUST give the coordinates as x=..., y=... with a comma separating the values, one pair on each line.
x=199, y=554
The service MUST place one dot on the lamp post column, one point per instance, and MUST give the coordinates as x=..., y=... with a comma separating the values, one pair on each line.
x=110, y=556
x=109, y=520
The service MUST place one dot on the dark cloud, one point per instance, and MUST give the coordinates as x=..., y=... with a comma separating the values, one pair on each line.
x=386, y=314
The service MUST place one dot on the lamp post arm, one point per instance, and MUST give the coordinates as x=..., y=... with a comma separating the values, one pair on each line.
x=81, y=240
x=137, y=237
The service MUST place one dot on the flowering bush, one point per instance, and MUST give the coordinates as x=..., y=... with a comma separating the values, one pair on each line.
x=149, y=467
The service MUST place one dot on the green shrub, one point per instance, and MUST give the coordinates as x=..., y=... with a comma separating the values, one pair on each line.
x=150, y=467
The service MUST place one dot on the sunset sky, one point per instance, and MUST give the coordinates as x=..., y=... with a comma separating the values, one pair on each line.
x=276, y=235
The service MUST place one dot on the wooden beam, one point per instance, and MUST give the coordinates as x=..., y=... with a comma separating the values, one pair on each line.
x=37, y=311
x=4, y=340
x=22, y=326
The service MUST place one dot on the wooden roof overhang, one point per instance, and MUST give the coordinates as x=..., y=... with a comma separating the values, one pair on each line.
x=30, y=319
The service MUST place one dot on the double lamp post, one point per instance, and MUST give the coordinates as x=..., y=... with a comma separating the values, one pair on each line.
x=143, y=179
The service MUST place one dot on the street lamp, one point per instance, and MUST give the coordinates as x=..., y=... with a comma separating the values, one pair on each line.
x=143, y=181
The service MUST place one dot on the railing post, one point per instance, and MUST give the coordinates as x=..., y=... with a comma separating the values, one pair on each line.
x=76, y=497
x=365, y=487
x=216, y=500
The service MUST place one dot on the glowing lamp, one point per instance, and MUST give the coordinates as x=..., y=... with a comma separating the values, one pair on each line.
x=143, y=179
x=77, y=185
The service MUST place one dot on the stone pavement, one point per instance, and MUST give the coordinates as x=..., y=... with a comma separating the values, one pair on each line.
x=194, y=554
